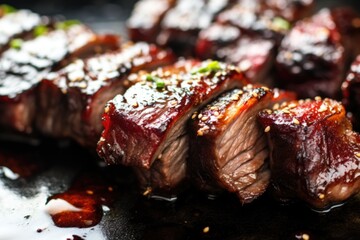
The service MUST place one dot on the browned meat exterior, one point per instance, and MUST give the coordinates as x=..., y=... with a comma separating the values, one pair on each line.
x=291, y=10
x=146, y=127
x=313, y=57
x=72, y=100
x=228, y=148
x=315, y=155
x=254, y=22
x=351, y=93
x=17, y=24
x=253, y=55
x=22, y=68
x=183, y=22
x=144, y=23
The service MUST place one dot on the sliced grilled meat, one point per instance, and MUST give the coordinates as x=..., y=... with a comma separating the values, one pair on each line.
x=17, y=24
x=313, y=57
x=255, y=23
x=144, y=22
x=253, y=55
x=351, y=93
x=72, y=100
x=182, y=23
x=228, y=148
x=146, y=128
x=291, y=10
x=22, y=68
x=315, y=155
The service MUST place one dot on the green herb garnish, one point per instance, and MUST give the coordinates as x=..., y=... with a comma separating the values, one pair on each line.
x=150, y=78
x=159, y=83
x=67, y=24
x=212, y=66
x=6, y=9
x=40, y=30
x=279, y=23
x=16, y=43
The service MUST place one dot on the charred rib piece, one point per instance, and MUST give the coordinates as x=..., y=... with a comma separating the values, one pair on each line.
x=314, y=152
x=22, y=68
x=351, y=93
x=253, y=55
x=72, y=100
x=291, y=10
x=254, y=23
x=228, y=148
x=144, y=23
x=146, y=128
x=313, y=57
x=17, y=24
x=182, y=23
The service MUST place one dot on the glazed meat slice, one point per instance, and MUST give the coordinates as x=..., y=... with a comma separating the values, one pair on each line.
x=182, y=23
x=314, y=152
x=22, y=68
x=72, y=100
x=17, y=24
x=351, y=93
x=255, y=23
x=313, y=57
x=253, y=55
x=291, y=10
x=144, y=22
x=228, y=147
x=146, y=127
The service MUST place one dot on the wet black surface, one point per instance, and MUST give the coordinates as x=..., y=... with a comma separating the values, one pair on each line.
x=195, y=215
x=24, y=213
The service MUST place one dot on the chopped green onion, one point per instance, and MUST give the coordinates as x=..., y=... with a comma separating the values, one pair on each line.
x=150, y=78
x=66, y=24
x=212, y=66
x=16, y=43
x=160, y=83
x=7, y=8
x=40, y=30
x=280, y=24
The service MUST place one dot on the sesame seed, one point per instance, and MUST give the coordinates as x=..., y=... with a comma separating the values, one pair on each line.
x=147, y=191
x=235, y=97
x=357, y=154
x=322, y=108
x=292, y=105
x=276, y=106
x=200, y=116
x=301, y=101
x=321, y=196
x=194, y=115
x=284, y=104
x=204, y=118
x=206, y=230
x=135, y=104
x=216, y=113
x=268, y=111
x=285, y=110
x=265, y=88
x=318, y=98
x=296, y=121
x=240, y=92
x=267, y=129
x=107, y=109
x=200, y=132
x=214, y=108
x=160, y=156
x=254, y=94
x=305, y=236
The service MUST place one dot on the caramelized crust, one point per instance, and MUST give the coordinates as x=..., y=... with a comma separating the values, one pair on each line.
x=313, y=57
x=145, y=127
x=72, y=100
x=314, y=152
